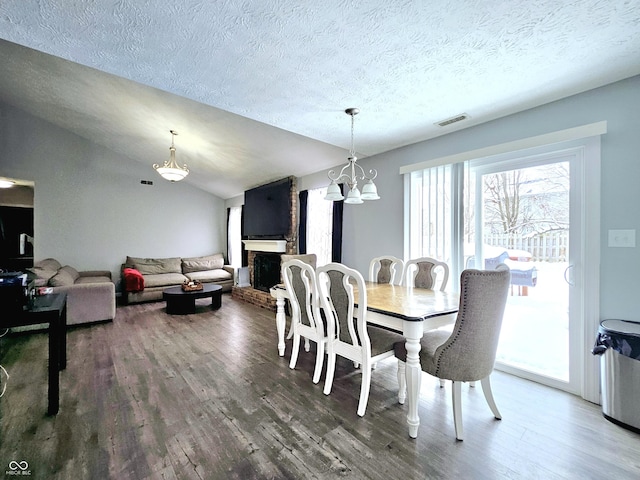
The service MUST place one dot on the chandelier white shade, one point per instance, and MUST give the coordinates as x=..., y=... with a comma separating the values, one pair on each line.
x=170, y=170
x=350, y=174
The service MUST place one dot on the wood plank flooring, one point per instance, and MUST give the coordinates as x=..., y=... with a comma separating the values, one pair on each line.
x=206, y=396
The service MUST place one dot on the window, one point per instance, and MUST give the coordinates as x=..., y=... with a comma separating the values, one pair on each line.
x=319, y=225
x=234, y=236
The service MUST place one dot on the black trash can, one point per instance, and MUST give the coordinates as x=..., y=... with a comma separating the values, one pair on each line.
x=618, y=343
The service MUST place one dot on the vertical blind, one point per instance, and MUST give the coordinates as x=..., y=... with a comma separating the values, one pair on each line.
x=436, y=213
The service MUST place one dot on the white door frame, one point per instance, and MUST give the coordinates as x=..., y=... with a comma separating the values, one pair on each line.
x=584, y=251
x=587, y=136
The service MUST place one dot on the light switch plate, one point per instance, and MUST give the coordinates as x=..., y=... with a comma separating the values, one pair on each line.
x=622, y=238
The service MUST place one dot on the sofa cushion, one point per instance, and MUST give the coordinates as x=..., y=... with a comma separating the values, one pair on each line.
x=49, y=264
x=163, y=280
x=61, y=279
x=42, y=273
x=96, y=279
x=199, y=264
x=73, y=273
x=153, y=266
x=210, y=276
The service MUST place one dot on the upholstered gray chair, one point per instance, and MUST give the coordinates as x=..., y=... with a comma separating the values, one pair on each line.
x=426, y=272
x=386, y=269
x=310, y=258
x=466, y=354
x=300, y=280
x=348, y=333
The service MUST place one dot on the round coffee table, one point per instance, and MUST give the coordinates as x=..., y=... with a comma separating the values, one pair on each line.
x=180, y=302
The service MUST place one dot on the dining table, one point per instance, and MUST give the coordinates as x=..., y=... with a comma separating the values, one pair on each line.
x=407, y=310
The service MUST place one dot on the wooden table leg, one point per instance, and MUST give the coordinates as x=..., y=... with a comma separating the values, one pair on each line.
x=181, y=305
x=413, y=334
x=281, y=320
x=63, y=338
x=216, y=300
x=55, y=363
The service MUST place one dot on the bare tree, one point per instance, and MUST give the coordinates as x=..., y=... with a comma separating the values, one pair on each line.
x=527, y=201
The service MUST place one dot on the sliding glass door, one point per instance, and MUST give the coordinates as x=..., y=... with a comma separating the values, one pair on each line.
x=523, y=216
x=531, y=211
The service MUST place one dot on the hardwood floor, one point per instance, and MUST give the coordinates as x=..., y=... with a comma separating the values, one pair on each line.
x=206, y=396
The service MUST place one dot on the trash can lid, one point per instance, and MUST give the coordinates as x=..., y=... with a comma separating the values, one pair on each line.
x=624, y=327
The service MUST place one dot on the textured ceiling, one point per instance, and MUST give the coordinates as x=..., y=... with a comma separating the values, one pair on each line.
x=257, y=88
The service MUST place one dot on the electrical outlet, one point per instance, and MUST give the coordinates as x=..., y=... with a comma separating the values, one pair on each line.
x=622, y=238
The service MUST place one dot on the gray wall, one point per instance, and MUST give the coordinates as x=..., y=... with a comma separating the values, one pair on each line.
x=376, y=228
x=91, y=210
x=91, y=216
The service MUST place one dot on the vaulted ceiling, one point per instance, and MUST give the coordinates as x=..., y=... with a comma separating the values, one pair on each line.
x=257, y=88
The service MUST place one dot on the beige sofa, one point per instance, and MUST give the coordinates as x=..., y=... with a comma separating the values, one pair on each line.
x=91, y=295
x=161, y=273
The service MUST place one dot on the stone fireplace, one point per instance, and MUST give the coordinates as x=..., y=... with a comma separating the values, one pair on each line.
x=263, y=261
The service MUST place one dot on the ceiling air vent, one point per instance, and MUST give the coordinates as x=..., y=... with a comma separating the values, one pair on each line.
x=449, y=121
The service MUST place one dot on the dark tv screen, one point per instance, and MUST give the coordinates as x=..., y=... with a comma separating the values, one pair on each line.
x=267, y=210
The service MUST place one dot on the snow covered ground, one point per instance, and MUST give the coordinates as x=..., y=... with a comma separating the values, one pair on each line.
x=535, y=329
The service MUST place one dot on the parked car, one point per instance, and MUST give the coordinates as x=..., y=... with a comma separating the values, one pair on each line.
x=523, y=272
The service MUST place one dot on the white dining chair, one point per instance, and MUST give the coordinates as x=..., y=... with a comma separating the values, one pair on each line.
x=348, y=333
x=311, y=259
x=426, y=272
x=306, y=321
x=386, y=269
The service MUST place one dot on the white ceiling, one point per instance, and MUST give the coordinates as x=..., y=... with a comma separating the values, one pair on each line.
x=257, y=88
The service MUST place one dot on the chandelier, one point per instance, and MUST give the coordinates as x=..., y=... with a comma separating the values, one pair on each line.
x=350, y=174
x=170, y=170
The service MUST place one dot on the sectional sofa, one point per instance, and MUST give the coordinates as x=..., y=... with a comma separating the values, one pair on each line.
x=91, y=295
x=144, y=279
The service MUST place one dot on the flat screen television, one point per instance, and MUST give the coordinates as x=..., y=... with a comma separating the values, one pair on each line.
x=267, y=210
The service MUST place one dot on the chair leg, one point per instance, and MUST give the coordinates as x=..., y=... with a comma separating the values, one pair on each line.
x=364, y=388
x=319, y=361
x=457, y=409
x=488, y=395
x=331, y=368
x=294, y=351
x=402, y=382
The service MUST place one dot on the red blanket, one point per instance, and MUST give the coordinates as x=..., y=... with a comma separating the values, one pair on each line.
x=133, y=280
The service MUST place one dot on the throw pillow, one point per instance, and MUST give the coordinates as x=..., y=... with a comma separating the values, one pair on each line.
x=200, y=264
x=73, y=273
x=42, y=273
x=61, y=279
x=153, y=266
x=49, y=264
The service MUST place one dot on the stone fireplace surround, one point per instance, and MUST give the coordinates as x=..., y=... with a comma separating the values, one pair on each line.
x=259, y=246
x=254, y=295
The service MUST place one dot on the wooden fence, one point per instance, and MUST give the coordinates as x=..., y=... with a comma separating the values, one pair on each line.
x=545, y=247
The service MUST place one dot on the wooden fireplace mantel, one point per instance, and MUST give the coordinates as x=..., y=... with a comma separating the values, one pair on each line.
x=276, y=246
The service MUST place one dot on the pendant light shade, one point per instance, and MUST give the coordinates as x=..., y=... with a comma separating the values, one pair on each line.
x=350, y=174
x=170, y=170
